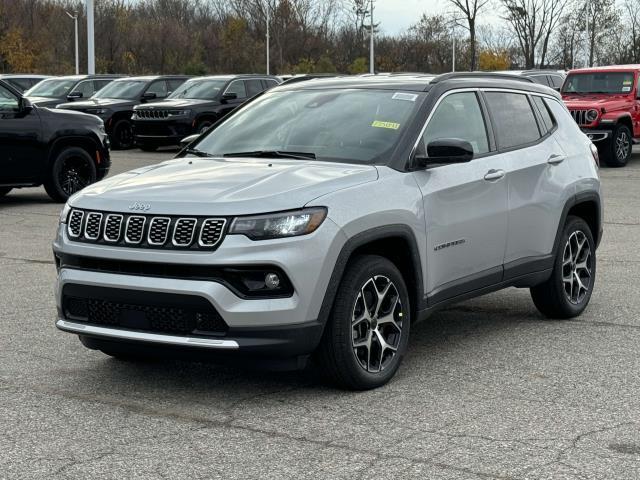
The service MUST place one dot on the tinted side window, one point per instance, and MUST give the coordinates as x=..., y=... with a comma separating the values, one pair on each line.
x=547, y=119
x=174, y=84
x=458, y=116
x=237, y=87
x=541, y=79
x=254, y=87
x=158, y=87
x=513, y=119
x=21, y=84
x=85, y=87
x=99, y=84
x=555, y=81
x=8, y=101
x=270, y=83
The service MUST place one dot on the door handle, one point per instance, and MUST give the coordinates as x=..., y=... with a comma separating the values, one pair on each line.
x=494, y=175
x=555, y=159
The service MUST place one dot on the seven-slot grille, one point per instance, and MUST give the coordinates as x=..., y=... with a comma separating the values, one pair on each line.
x=580, y=116
x=152, y=114
x=200, y=233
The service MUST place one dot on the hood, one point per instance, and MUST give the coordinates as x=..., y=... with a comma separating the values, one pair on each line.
x=97, y=102
x=62, y=115
x=219, y=186
x=44, y=101
x=176, y=103
x=608, y=102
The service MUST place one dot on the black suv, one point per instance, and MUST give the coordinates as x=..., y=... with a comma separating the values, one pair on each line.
x=22, y=82
x=65, y=151
x=114, y=104
x=52, y=91
x=194, y=107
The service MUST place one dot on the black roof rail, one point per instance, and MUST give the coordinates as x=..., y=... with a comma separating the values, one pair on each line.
x=501, y=76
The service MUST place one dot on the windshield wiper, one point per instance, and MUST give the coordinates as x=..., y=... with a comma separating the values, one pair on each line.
x=198, y=153
x=273, y=154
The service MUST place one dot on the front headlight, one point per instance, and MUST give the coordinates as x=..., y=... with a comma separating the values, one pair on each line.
x=97, y=111
x=592, y=115
x=179, y=113
x=279, y=225
x=64, y=214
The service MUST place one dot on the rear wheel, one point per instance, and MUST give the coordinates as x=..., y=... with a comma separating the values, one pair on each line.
x=71, y=171
x=617, y=151
x=567, y=292
x=367, y=334
x=122, y=135
x=4, y=191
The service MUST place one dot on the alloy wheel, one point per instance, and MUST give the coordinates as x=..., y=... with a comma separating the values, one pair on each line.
x=622, y=145
x=577, y=267
x=376, y=325
x=74, y=175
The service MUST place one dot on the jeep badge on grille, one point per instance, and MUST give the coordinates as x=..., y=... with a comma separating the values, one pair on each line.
x=140, y=207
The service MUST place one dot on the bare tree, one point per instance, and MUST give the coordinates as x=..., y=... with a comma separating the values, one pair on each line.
x=470, y=9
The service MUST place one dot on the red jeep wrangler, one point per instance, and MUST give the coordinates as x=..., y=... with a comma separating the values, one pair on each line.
x=605, y=102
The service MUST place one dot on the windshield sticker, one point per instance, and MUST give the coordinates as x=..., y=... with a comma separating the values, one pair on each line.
x=409, y=97
x=627, y=82
x=389, y=125
x=626, y=89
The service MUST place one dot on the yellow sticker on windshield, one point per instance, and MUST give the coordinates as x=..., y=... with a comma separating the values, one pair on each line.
x=389, y=125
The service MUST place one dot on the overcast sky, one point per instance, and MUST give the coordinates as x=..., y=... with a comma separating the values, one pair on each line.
x=396, y=16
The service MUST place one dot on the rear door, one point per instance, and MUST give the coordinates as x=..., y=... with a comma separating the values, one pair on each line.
x=20, y=150
x=537, y=174
x=254, y=87
x=465, y=204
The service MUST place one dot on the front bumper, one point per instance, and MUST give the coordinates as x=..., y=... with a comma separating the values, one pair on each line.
x=162, y=133
x=257, y=326
x=596, y=135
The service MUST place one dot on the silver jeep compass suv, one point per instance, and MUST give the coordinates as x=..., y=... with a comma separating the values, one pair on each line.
x=324, y=218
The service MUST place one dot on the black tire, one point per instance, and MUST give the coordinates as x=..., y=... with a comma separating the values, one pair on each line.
x=338, y=357
x=122, y=138
x=148, y=148
x=552, y=297
x=203, y=126
x=71, y=171
x=617, y=151
x=4, y=191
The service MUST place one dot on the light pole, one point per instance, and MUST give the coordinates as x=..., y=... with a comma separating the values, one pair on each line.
x=267, y=17
x=75, y=21
x=372, y=60
x=588, y=57
x=91, y=52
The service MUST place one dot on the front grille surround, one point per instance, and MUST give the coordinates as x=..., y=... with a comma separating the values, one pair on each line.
x=147, y=231
x=149, y=114
x=580, y=116
x=93, y=226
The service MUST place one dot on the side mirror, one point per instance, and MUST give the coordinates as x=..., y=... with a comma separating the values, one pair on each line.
x=73, y=95
x=446, y=151
x=229, y=96
x=187, y=140
x=148, y=96
x=24, y=105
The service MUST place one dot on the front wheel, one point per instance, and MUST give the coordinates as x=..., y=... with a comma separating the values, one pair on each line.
x=367, y=333
x=71, y=171
x=567, y=292
x=617, y=151
x=122, y=135
x=203, y=127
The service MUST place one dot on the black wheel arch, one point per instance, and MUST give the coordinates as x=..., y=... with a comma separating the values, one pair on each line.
x=379, y=241
x=87, y=142
x=586, y=205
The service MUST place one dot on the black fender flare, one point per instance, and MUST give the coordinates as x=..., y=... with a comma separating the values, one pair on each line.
x=361, y=239
x=582, y=197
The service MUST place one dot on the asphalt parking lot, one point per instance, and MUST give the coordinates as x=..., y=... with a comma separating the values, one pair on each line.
x=489, y=390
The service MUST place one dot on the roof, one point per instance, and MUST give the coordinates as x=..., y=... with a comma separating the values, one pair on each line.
x=148, y=78
x=609, y=68
x=20, y=75
x=232, y=76
x=422, y=82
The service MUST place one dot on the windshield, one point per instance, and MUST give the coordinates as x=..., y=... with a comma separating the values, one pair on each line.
x=353, y=126
x=54, y=87
x=199, y=89
x=604, y=82
x=125, y=89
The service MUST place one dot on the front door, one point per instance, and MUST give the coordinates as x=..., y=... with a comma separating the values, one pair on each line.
x=465, y=204
x=20, y=149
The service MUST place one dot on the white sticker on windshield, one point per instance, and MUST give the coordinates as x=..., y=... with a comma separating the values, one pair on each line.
x=409, y=97
x=626, y=89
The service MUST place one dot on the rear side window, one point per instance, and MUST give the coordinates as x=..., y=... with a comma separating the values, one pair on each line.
x=541, y=79
x=547, y=119
x=555, y=81
x=254, y=87
x=513, y=119
x=174, y=84
x=237, y=87
x=458, y=116
x=100, y=84
x=270, y=83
